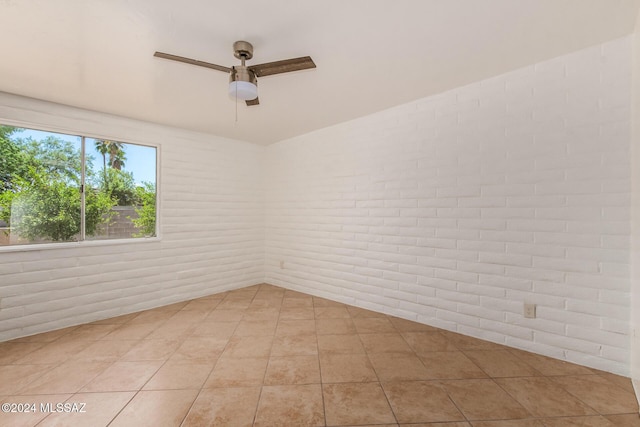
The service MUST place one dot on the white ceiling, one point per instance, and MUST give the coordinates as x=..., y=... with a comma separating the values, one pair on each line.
x=370, y=54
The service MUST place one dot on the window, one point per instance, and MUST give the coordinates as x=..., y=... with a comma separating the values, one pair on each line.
x=64, y=188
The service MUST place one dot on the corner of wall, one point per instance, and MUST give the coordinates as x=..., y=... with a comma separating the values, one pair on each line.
x=635, y=212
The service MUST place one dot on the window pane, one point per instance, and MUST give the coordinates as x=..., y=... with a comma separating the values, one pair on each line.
x=126, y=175
x=40, y=175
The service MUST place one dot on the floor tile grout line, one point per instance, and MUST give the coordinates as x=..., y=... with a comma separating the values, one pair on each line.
x=379, y=383
x=514, y=398
x=455, y=404
x=48, y=415
x=442, y=388
x=123, y=408
x=186, y=414
x=575, y=396
x=322, y=383
x=324, y=405
x=202, y=386
x=540, y=374
x=219, y=357
x=475, y=364
x=255, y=414
x=612, y=383
x=514, y=351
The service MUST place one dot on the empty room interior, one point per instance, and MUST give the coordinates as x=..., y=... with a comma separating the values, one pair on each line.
x=297, y=213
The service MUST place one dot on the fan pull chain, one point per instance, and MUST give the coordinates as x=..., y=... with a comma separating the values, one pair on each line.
x=242, y=58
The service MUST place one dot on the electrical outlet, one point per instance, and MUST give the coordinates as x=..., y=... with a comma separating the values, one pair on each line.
x=281, y=265
x=529, y=311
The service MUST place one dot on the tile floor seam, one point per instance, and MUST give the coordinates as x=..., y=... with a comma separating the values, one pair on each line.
x=255, y=414
x=87, y=382
x=24, y=386
x=579, y=398
x=324, y=406
x=216, y=362
x=117, y=414
x=490, y=376
x=152, y=375
x=186, y=414
x=181, y=341
x=596, y=413
x=613, y=384
x=379, y=382
x=322, y=383
x=455, y=404
x=43, y=420
x=513, y=397
x=516, y=351
x=207, y=376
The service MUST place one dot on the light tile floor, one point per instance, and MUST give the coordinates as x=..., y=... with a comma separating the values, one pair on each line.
x=267, y=356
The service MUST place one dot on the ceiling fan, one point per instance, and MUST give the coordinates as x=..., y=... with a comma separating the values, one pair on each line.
x=243, y=82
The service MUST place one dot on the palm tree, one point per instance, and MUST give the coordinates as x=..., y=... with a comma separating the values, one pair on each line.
x=103, y=148
x=114, y=149
x=116, y=155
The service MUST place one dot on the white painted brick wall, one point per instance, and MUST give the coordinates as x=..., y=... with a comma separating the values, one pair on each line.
x=455, y=209
x=211, y=225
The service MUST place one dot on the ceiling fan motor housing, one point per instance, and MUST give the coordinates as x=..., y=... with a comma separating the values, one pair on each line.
x=240, y=73
x=243, y=50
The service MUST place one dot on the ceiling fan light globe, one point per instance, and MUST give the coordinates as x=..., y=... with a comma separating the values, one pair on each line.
x=245, y=91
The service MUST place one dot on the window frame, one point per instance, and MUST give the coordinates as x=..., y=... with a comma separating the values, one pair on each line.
x=84, y=242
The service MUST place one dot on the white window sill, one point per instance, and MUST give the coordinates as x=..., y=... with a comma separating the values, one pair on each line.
x=75, y=245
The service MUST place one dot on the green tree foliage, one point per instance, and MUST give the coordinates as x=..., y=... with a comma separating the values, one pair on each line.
x=97, y=210
x=13, y=163
x=146, y=210
x=120, y=186
x=51, y=211
x=54, y=158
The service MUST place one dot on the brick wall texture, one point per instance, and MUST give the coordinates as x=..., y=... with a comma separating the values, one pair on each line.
x=455, y=210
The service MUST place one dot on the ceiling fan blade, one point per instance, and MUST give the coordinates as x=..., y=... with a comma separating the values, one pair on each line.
x=284, y=66
x=192, y=61
x=253, y=102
